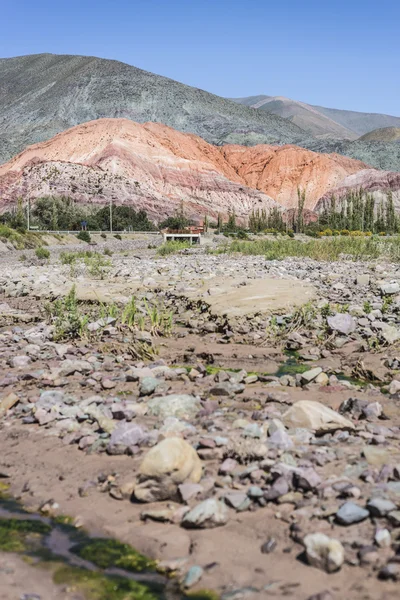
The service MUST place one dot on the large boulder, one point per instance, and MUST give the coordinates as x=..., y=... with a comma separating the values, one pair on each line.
x=315, y=416
x=182, y=406
x=168, y=464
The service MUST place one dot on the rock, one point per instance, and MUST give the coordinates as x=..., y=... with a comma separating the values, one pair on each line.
x=209, y=513
x=8, y=402
x=168, y=464
x=20, y=362
x=307, y=478
x=380, y=507
x=324, y=552
x=281, y=439
x=237, y=500
x=126, y=435
x=187, y=491
x=383, y=538
x=269, y=546
x=182, y=406
x=227, y=466
x=363, y=279
x=394, y=387
x=342, y=322
x=227, y=389
x=350, y=513
x=389, y=333
x=322, y=379
x=376, y=456
x=390, y=288
x=308, y=376
x=71, y=366
x=315, y=416
x=148, y=385
x=193, y=576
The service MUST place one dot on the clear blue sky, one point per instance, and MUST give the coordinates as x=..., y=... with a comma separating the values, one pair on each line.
x=341, y=54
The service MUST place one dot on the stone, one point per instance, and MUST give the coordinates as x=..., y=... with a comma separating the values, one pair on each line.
x=20, y=362
x=8, y=402
x=238, y=500
x=363, y=279
x=380, y=507
x=187, y=491
x=322, y=379
x=394, y=387
x=168, y=464
x=390, y=288
x=308, y=376
x=324, y=552
x=193, y=576
x=314, y=416
x=182, y=406
x=350, y=513
x=342, y=323
x=282, y=440
x=126, y=435
x=148, y=385
x=376, y=456
x=209, y=513
x=307, y=478
x=383, y=538
x=390, y=333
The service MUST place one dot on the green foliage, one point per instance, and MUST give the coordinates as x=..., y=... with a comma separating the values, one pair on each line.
x=160, y=319
x=358, y=212
x=301, y=199
x=104, y=236
x=179, y=222
x=261, y=220
x=329, y=249
x=367, y=307
x=84, y=236
x=118, y=236
x=107, y=252
x=14, y=532
x=42, y=253
x=66, y=317
x=172, y=247
x=130, y=312
x=96, y=586
x=106, y=553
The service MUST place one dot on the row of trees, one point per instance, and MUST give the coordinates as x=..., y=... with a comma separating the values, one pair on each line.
x=359, y=212
x=62, y=213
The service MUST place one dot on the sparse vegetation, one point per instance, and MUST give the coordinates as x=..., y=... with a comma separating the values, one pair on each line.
x=42, y=253
x=84, y=236
x=331, y=249
x=172, y=247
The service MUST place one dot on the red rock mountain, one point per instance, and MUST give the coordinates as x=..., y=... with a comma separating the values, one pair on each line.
x=154, y=167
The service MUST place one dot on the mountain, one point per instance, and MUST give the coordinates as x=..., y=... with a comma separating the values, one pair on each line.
x=386, y=134
x=44, y=94
x=148, y=166
x=155, y=167
x=318, y=120
x=305, y=116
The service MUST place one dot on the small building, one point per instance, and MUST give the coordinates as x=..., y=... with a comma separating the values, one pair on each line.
x=191, y=234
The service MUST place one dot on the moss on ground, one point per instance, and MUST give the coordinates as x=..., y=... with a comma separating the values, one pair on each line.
x=106, y=553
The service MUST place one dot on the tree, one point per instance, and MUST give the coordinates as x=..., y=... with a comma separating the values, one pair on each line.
x=301, y=200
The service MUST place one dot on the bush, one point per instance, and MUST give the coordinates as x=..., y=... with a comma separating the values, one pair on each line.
x=290, y=233
x=107, y=252
x=118, y=236
x=84, y=236
x=382, y=233
x=172, y=247
x=242, y=235
x=104, y=236
x=335, y=232
x=42, y=253
x=345, y=232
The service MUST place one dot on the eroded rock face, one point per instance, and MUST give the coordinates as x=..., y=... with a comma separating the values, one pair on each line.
x=152, y=167
x=170, y=463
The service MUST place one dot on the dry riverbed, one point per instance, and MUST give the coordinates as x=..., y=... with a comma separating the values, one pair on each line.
x=239, y=423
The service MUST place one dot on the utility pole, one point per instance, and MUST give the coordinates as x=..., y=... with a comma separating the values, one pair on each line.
x=29, y=214
x=111, y=223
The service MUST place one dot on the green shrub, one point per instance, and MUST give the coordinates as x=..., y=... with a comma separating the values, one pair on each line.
x=172, y=247
x=104, y=236
x=118, y=236
x=84, y=236
x=107, y=252
x=345, y=232
x=42, y=253
x=290, y=233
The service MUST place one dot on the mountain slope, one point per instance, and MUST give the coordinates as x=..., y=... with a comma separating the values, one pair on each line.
x=42, y=95
x=319, y=120
x=386, y=134
x=154, y=167
x=305, y=116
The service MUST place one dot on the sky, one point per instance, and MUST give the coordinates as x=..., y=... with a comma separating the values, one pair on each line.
x=340, y=54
